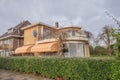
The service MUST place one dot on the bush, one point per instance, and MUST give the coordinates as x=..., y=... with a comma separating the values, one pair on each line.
x=67, y=68
x=99, y=50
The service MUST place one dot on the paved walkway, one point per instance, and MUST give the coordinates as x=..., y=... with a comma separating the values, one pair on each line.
x=8, y=75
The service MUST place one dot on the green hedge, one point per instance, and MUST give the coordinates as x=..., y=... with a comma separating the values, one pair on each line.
x=68, y=68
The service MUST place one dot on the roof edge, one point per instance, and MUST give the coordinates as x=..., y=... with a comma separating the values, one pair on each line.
x=10, y=36
x=36, y=24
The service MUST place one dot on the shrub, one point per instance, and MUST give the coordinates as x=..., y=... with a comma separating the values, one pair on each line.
x=99, y=50
x=67, y=68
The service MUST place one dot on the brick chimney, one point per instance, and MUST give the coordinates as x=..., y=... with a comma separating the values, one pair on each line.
x=56, y=25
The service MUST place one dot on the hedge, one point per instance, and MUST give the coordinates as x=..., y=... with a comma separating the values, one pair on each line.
x=67, y=68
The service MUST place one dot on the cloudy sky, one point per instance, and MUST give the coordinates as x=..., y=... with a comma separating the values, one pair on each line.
x=88, y=14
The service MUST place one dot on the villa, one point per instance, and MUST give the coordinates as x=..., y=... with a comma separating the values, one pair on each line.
x=41, y=39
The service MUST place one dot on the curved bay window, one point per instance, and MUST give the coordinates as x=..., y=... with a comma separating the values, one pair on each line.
x=75, y=50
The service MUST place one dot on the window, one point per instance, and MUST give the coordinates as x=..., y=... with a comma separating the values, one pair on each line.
x=10, y=30
x=73, y=33
x=34, y=33
x=7, y=41
x=47, y=34
x=66, y=34
x=76, y=50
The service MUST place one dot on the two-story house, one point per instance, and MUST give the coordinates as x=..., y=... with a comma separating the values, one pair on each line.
x=42, y=39
x=12, y=39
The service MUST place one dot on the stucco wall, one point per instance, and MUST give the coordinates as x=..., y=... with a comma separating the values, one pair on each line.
x=28, y=35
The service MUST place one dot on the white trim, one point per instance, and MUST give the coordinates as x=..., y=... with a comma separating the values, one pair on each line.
x=74, y=26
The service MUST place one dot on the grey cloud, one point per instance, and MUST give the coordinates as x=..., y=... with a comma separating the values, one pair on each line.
x=113, y=6
x=86, y=13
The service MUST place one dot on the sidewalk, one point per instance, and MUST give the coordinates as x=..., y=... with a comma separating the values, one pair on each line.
x=9, y=75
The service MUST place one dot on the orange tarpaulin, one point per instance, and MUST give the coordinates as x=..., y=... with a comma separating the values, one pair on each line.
x=46, y=47
x=23, y=49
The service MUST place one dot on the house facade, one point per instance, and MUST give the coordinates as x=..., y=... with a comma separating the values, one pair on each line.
x=44, y=40
x=12, y=39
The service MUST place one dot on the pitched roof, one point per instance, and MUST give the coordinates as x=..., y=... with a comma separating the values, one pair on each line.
x=16, y=29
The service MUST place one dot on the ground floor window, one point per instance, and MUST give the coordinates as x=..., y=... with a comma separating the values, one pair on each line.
x=75, y=50
x=4, y=53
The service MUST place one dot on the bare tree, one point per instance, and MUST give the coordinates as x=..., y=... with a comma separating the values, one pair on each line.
x=89, y=36
x=96, y=42
x=113, y=18
x=60, y=36
x=61, y=39
x=107, y=37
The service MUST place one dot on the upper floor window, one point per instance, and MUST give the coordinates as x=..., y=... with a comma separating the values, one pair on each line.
x=8, y=41
x=47, y=33
x=73, y=33
x=10, y=30
x=34, y=33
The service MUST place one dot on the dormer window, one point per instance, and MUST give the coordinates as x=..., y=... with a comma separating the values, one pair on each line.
x=10, y=30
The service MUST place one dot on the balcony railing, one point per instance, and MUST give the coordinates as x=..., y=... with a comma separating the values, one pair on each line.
x=84, y=38
x=51, y=39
